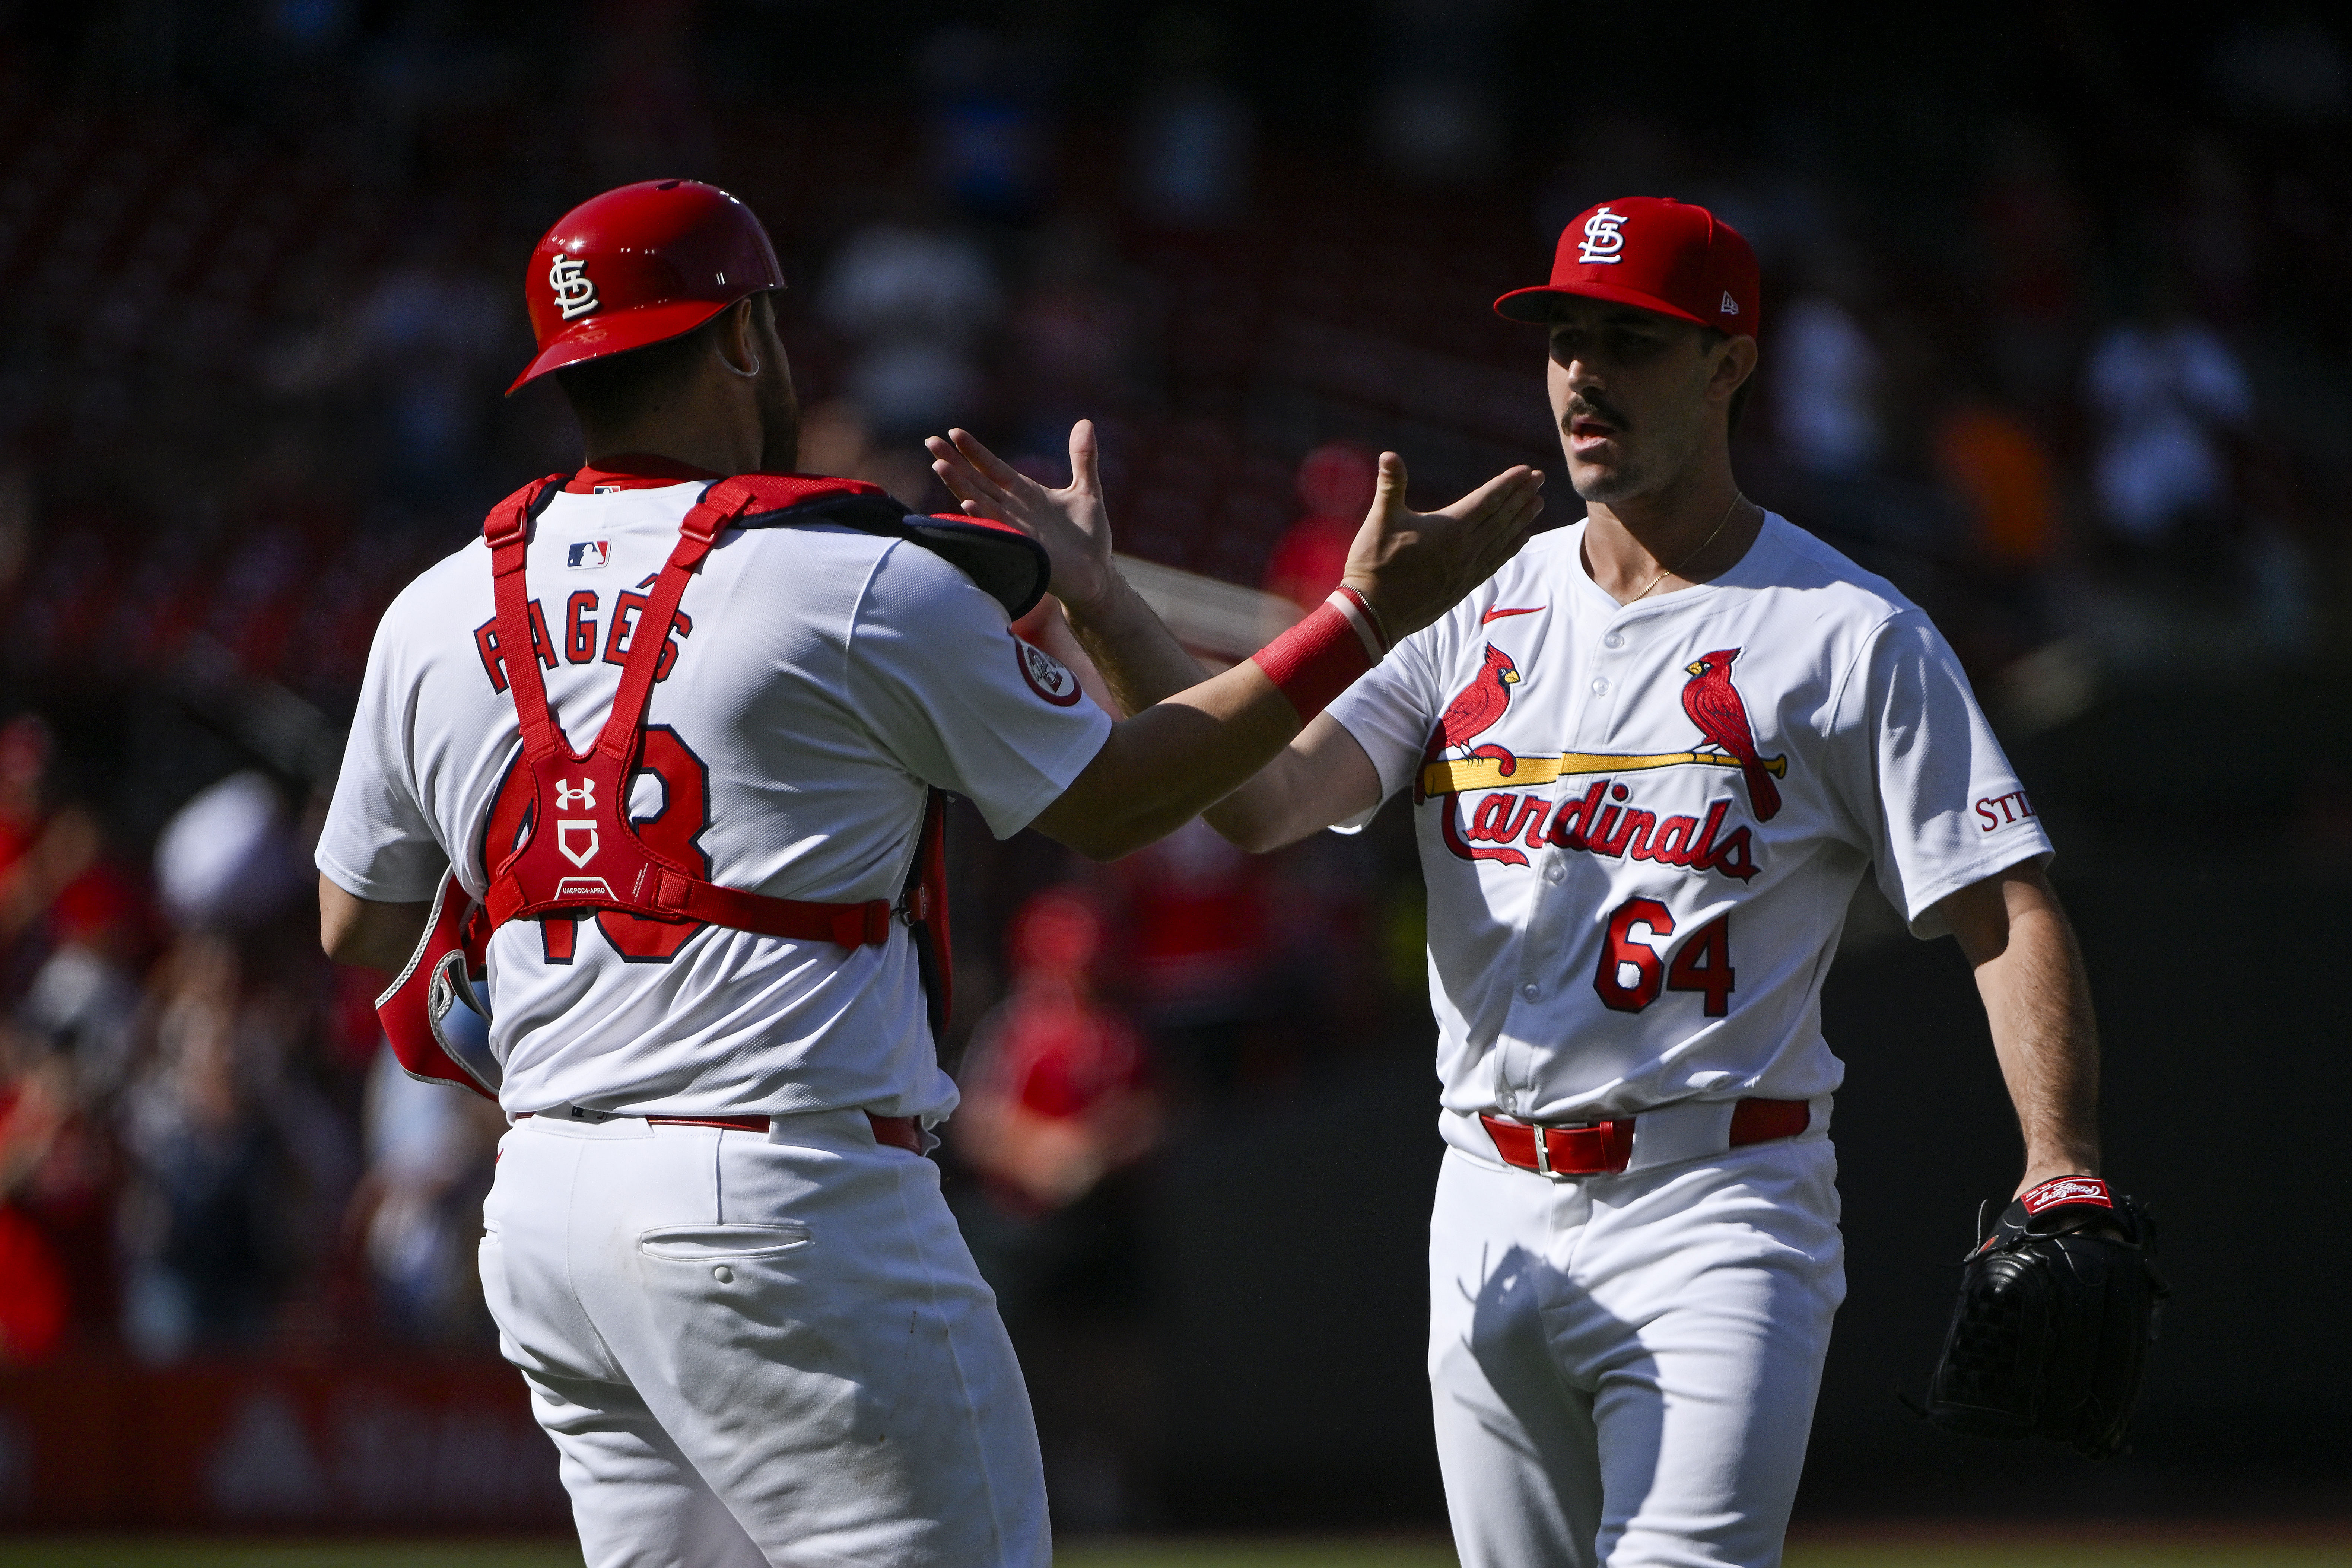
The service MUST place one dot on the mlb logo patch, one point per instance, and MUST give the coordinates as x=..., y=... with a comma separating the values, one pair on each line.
x=588, y=554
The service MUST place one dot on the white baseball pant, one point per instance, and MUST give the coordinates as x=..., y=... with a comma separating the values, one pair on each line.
x=760, y=1349
x=1623, y=1368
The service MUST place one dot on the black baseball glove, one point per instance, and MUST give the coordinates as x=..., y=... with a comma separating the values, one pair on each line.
x=2058, y=1306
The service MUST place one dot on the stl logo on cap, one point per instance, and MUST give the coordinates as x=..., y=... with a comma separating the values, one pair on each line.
x=575, y=294
x=1690, y=265
x=1603, y=242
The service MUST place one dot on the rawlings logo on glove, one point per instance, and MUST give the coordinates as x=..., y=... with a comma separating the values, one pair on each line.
x=2068, y=1190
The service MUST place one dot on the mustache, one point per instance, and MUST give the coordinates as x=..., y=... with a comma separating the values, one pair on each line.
x=1583, y=407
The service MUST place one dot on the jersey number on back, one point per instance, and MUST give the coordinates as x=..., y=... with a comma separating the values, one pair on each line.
x=672, y=829
x=1633, y=971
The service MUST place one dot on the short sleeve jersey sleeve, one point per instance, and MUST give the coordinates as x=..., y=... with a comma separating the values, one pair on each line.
x=963, y=704
x=377, y=841
x=1391, y=709
x=1927, y=785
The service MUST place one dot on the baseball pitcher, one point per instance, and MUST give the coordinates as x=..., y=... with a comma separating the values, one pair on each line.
x=1648, y=764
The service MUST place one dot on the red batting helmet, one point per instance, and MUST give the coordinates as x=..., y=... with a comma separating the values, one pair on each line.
x=1654, y=254
x=639, y=265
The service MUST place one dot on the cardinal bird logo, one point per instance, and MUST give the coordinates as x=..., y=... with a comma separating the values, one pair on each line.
x=1714, y=705
x=1475, y=710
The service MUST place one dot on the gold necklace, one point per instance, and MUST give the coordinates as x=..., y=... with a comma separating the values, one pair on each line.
x=1676, y=570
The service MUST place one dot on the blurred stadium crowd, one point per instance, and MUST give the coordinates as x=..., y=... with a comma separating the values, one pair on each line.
x=2081, y=391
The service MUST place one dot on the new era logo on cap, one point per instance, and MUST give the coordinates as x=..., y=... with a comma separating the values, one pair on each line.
x=587, y=554
x=1730, y=305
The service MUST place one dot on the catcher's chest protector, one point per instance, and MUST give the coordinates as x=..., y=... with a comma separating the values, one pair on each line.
x=575, y=852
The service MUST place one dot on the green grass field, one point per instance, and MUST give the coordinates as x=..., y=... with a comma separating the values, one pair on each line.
x=2078, y=1550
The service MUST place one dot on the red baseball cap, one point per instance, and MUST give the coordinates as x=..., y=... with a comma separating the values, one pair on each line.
x=1654, y=254
x=639, y=265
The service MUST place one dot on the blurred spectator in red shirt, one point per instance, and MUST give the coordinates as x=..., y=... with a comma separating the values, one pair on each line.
x=1057, y=1089
x=42, y=852
x=1335, y=483
x=36, y=1103
x=23, y=757
x=72, y=928
x=1196, y=921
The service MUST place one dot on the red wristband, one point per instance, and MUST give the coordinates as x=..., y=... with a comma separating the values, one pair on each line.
x=1366, y=620
x=1321, y=656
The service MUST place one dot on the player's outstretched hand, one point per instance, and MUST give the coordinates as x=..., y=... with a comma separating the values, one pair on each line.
x=1416, y=565
x=1070, y=522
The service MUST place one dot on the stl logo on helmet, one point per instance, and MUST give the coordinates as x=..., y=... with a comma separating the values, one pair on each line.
x=575, y=294
x=1602, y=242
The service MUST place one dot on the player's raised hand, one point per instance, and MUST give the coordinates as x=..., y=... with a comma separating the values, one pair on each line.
x=1070, y=522
x=1416, y=565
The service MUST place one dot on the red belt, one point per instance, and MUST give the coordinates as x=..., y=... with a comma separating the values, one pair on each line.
x=1603, y=1148
x=899, y=1131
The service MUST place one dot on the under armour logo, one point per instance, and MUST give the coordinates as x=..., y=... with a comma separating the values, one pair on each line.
x=575, y=295
x=1730, y=305
x=582, y=794
x=563, y=832
x=1602, y=242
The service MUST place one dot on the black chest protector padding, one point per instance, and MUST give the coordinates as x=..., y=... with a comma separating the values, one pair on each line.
x=1009, y=566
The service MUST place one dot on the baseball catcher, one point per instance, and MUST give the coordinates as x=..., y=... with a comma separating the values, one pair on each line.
x=642, y=800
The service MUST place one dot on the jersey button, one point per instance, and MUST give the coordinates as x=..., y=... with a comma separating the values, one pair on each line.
x=1531, y=991
x=723, y=1274
x=1552, y=871
x=1614, y=639
x=1600, y=686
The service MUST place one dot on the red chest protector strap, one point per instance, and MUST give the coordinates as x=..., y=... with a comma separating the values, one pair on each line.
x=578, y=852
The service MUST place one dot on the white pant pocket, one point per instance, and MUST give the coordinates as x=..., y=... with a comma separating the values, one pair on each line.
x=705, y=1243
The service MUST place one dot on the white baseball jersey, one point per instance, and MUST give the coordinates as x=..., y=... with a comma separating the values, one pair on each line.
x=823, y=678
x=1640, y=824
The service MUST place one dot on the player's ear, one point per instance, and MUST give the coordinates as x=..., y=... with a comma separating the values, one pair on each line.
x=1735, y=363
x=738, y=337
